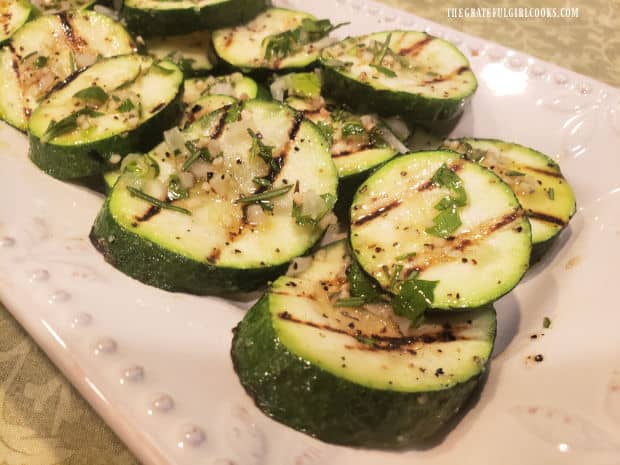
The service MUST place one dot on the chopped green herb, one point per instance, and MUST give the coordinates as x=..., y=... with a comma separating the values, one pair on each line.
x=398, y=269
x=448, y=219
x=546, y=322
x=156, y=202
x=40, y=62
x=514, y=173
x=194, y=154
x=377, y=59
x=353, y=128
x=233, y=112
x=327, y=131
x=67, y=124
x=414, y=297
x=405, y=256
x=176, y=190
x=350, y=302
x=140, y=112
x=383, y=70
x=267, y=195
x=307, y=220
x=125, y=106
x=445, y=223
x=361, y=285
x=92, y=94
x=264, y=152
x=551, y=193
x=263, y=182
x=292, y=41
x=365, y=340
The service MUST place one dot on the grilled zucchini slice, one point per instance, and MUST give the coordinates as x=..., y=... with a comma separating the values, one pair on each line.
x=192, y=52
x=356, y=375
x=250, y=188
x=445, y=219
x=47, y=51
x=536, y=179
x=277, y=39
x=117, y=106
x=177, y=17
x=405, y=73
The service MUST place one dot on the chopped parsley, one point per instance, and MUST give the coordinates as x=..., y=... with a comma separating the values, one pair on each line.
x=40, y=62
x=414, y=296
x=514, y=173
x=283, y=44
x=353, y=128
x=94, y=94
x=125, y=106
x=546, y=322
x=307, y=220
x=327, y=131
x=67, y=124
x=361, y=285
x=551, y=193
x=448, y=220
x=176, y=190
x=264, y=152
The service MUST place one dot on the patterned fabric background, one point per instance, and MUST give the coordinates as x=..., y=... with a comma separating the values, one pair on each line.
x=44, y=421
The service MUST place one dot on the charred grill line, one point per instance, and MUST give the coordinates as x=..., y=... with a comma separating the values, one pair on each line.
x=379, y=342
x=546, y=218
x=416, y=48
x=366, y=146
x=544, y=172
x=150, y=213
x=292, y=133
x=449, y=76
x=219, y=127
x=378, y=212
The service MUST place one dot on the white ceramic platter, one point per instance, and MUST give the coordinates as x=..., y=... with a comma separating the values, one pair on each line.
x=156, y=365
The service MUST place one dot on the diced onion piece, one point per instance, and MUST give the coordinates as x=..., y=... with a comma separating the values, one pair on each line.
x=255, y=214
x=398, y=127
x=200, y=169
x=187, y=179
x=392, y=140
x=175, y=140
x=104, y=10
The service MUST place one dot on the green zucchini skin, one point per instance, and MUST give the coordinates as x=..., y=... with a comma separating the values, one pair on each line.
x=364, y=98
x=152, y=264
x=63, y=162
x=149, y=22
x=330, y=408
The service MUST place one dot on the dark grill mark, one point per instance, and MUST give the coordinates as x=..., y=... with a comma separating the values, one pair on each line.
x=214, y=256
x=416, y=48
x=150, y=213
x=344, y=153
x=380, y=342
x=219, y=127
x=378, y=212
x=73, y=40
x=545, y=172
x=545, y=217
x=66, y=81
x=292, y=133
x=449, y=76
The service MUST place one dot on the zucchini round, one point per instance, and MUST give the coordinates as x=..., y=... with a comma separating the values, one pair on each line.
x=47, y=51
x=192, y=52
x=165, y=17
x=276, y=39
x=117, y=106
x=445, y=219
x=359, y=143
x=354, y=375
x=405, y=73
x=249, y=189
x=13, y=15
x=538, y=183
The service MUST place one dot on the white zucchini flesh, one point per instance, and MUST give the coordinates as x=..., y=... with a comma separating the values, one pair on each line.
x=482, y=260
x=233, y=85
x=220, y=230
x=65, y=42
x=192, y=52
x=244, y=46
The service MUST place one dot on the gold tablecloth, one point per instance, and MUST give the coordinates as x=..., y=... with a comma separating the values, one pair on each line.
x=44, y=421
